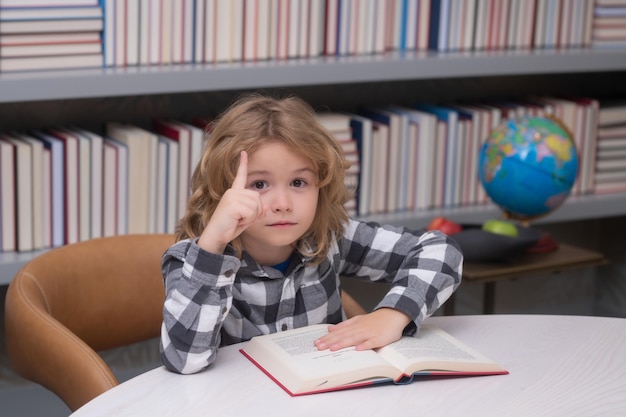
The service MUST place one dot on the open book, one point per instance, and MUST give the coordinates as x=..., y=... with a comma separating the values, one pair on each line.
x=293, y=362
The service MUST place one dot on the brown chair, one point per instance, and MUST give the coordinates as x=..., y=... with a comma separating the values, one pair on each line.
x=71, y=302
x=67, y=304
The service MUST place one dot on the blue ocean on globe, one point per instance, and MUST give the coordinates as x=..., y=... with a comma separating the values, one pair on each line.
x=528, y=166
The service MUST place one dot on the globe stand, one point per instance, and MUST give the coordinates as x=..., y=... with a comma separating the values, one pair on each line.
x=544, y=244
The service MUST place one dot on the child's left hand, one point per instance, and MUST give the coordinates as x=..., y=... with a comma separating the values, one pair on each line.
x=368, y=331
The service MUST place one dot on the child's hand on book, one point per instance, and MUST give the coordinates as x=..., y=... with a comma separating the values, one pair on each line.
x=238, y=209
x=367, y=331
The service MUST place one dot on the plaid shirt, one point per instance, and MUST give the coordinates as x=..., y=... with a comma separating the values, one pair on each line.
x=215, y=300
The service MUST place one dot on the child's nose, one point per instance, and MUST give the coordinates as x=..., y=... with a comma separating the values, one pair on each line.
x=281, y=201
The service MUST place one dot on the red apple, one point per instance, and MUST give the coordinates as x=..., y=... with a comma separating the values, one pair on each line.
x=444, y=225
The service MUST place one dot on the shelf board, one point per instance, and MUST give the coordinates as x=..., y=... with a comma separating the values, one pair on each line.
x=392, y=66
x=576, y=208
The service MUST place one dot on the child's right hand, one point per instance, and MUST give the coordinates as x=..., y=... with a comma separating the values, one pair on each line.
x=239, y=208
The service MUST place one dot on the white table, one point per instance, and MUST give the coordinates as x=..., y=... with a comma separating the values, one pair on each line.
x=559, y=366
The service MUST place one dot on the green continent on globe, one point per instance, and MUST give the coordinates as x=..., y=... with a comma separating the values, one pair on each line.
x=528, y=166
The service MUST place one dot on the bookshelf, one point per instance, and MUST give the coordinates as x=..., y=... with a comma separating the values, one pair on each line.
x=335, y=80
x=392, y=66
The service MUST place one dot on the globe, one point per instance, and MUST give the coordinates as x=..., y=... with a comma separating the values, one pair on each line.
x=528, y=166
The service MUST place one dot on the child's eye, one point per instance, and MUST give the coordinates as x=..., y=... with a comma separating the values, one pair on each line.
x=258, y=185
x=298, y=183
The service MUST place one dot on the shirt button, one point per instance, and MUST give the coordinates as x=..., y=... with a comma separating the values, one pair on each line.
x=228, y=273
x=284, y=327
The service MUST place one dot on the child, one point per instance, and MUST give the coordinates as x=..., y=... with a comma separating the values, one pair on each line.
x=266, y=238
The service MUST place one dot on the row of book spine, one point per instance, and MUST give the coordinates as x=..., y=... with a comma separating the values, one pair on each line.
x=65, y=185
x=162, y=32
x=425, y=156
x=611, y=149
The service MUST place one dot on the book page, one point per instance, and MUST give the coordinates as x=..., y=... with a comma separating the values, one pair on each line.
x=435, y=350
x=293, y=359
x=311, y=361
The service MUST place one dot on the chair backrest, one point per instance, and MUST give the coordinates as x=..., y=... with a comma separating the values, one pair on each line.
x=70, y=302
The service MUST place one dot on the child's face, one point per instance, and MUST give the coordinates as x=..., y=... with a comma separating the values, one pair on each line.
x=287, y=184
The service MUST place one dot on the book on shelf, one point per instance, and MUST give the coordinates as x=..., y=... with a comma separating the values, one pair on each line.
x=331, y=27
x=168, y=192
x=293, y=362
x=475, y=135
x=439, y=180
x=119, y=33
x=612, y=131
x=22, y=154
x=456, y=26
x=71, y=184
x=380, y=172
x=395, y=140
x=51, y=25
x=251, y=21
x=424, y=160
x=410, y=154
x=439, y=25
x=609, y=22
x=208, y=39
x=50, y=62
x=315, y=46
x=47, y=198
x=450, y=117
x=7, y=203
x=48, y=3
x=109, y=187
x=339, y=126
x=612, y=112
x=181, y=134
x=49, y=13
x=188, y=31
x=108, y=33
x=24, y=39
x=57, y=185
x=462, y=161
x=90, y=182
x=294, y=27
x=142, y=154
x=587, y=125
x=161, y=182
x=115, y=188
x=607, y=144
x=228, y=30
x=423, y=26
x=407, y=22
x=362, y=130
x=133, y=26
x=480, y=32
x=614, y=9
x=39, y=182
x=47, y=49
x=347, y=25
x=611, y=164
x=497, y=31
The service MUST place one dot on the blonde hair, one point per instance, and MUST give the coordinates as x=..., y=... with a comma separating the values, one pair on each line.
x=249, y=123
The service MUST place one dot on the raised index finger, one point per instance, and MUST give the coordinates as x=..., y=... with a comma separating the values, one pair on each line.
x=242, y=172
